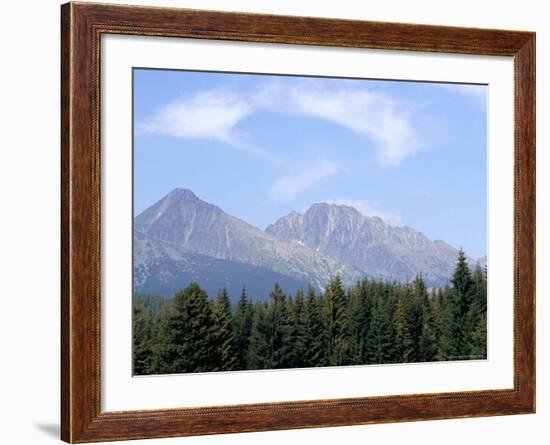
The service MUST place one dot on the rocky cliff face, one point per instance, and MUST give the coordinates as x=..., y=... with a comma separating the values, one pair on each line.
x=367, y=243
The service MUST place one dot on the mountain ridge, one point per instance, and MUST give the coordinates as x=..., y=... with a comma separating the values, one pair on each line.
x=192, y=225
x=182, y=234
x=368, y=243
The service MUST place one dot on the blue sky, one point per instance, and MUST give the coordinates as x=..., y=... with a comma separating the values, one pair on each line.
x=260, y=146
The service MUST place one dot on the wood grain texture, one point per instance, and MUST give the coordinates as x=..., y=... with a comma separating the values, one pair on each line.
x=81, y=28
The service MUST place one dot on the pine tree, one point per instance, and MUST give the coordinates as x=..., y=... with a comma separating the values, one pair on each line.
x=223, y=342
x=379, y=342
x=152, y=303
x=335, y=320
x=185, y=331
x=404, y=346
x=357, y=323
x=314, y=342
x=280, y=322
x=427, y=345
x=453, y=341
x=297, y=333
x=259, y=353
x=143, y=340
x=478, y=341
x=242, y=326
x=417, y=308
x=476, y=318
x=371, y=322
x=436, y=312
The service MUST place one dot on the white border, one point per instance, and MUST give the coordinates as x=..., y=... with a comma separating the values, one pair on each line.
x=122, y=392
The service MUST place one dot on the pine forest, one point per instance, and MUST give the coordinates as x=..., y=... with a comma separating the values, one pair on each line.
x=372, y=322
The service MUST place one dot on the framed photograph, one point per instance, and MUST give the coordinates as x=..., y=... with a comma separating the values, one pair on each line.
x=274, y=222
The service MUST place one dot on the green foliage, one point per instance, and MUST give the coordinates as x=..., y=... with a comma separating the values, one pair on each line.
x=403, y=340
x=370, y=322
x=476, y=318
x=280, y=324
x=427, y=344
x=478, y=342
x=153, y=303
x=184, y=342
x=143, y=340
x=242, y=327
x=314, y=342
x=417, y=312
x=379, y=341
x=453, y=344
x=224, y=347
x=358, y=319
x=335, y=321
x=259, y=353
x=297, y=333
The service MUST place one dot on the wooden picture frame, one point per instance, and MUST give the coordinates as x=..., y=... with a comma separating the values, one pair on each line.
x=82, y=25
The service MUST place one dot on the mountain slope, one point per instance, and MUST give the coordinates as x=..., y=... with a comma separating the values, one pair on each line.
x=367, y=243
x=161, y=269
x=181, y=223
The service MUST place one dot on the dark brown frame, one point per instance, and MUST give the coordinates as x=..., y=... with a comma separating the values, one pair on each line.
x=82, y=25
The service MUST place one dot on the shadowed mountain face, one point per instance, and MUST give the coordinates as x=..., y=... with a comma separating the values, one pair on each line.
x=367, y=243
x=162, y=268
x=176, y=236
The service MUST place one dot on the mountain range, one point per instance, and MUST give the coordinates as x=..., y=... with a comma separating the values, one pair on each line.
x=367, y=243
x=182, y=238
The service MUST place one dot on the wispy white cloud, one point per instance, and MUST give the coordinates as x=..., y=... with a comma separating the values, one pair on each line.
x=210, y=114
x=368, y=209
x=288, y=187
x=215, y=114
x=367, y=113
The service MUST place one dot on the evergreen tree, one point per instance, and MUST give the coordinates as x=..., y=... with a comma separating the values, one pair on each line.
x=440, y=316
x=478, y=341
x=223, y=342
x=453, y=341
x=379, y=338
x=151, y=303
x=476, y=319
x=417, y=309
x=186, y=333
x=143, y=340
x=242, y=326
x=280, y=322
x=297, y=334
x=259, y=353
x=335, y=320
x=371, y=322
x=314, y=342
x=358, y=323
x=427, y=345
x=404, y=346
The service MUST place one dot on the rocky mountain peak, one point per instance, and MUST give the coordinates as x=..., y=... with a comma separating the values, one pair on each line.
x=367, y=243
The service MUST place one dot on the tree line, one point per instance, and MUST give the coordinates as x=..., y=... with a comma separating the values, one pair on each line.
x=372, y=322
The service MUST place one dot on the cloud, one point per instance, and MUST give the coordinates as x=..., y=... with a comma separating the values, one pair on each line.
x=214, y=114
x=367, y=113
x=288, y=187
x=368, y=209
x=210, y=114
